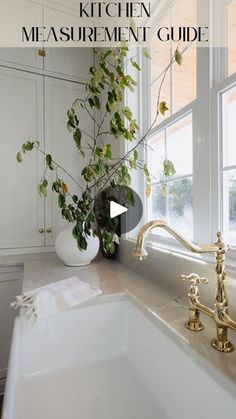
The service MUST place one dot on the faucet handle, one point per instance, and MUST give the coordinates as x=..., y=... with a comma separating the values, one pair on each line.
x=194, y=279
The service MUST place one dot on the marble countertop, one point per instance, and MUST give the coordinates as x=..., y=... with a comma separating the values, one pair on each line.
x=113, y=278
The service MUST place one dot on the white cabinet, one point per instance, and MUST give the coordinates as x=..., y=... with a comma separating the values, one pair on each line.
x=13, y=15
x=76, y=61
x=11, y=278
x=59, y=96
x=67, y=62
x=21, y=118
x=25, y=58
x=35, y=96
x=35, y=107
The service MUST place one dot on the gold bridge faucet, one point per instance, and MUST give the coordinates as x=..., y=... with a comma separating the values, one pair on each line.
x=220, y=313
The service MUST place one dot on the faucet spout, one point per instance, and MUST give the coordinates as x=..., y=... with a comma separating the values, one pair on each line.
x=140, y=251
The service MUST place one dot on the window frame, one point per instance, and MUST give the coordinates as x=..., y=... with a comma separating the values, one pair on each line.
x=212, y=77
x=217, y=155
x=164, y=125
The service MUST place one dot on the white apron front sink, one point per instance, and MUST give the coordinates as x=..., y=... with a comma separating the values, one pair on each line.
x=110, y=360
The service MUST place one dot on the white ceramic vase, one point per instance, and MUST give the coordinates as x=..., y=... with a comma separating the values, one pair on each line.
x=67, y=249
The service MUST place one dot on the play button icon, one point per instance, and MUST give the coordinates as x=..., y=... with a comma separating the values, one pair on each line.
x=118, y=206
x=116, y=209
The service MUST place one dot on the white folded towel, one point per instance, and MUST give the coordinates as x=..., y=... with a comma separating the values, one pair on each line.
x=56, y=297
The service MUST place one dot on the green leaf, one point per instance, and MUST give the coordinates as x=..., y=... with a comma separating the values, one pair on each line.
x=146, y=54
x=56, y=186
x=132, y=164
x=77, y=138
x=128, y=135
x=127, y=112
x=45, y=183
x=108, y=154
x=112, y=248
x=82, y=243
x=42, y=190
x=75, y=198
x=88, y=173
x=29, y=146
x=69, y=126
x=119, y=71
x=99, y=152
x=107, y=53
x=135, y=65
x=70, y=113
x=110, y=97
x=118, y=117
x=169, y=169
x=163, y=107
x=99, y=168
x=178, y=56
x=135, y=155
x=104, y=68
x=61, y=200
x=19, y=157
x=97, y=102
x=125, y=177
x=146, y=172
x=133, y=126
x=67, y=214
x=91, y=102
x=49, y=161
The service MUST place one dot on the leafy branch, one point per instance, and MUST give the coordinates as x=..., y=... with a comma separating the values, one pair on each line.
x=109, y=79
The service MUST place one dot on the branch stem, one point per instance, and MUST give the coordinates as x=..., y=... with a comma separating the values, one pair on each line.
x=58, y=166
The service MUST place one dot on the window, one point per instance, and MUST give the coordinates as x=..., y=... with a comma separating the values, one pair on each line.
x=172, y=198
x=179, y=87
x=200, y=198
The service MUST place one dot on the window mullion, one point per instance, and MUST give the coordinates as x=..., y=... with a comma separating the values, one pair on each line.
x=171, y=68
x=201, y=151
x=219, y=74
x=201, y=139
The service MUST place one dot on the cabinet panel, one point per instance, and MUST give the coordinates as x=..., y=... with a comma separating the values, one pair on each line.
x=13, y=15
x=11, y=278
x=21, y=119
x=59, y=96
x=74, y=62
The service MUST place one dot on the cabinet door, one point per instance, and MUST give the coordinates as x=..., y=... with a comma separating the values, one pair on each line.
x=11, y=278
x=59, y=96
x=74, y=62
x=21, y=119
x=13, y=15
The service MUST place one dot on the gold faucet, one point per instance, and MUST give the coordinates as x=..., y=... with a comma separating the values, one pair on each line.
x=220, y=313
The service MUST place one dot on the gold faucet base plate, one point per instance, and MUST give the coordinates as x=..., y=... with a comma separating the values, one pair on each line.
x=194, y=326
x=225, y=347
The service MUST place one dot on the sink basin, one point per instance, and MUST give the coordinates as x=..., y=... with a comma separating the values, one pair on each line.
x=110, y=360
